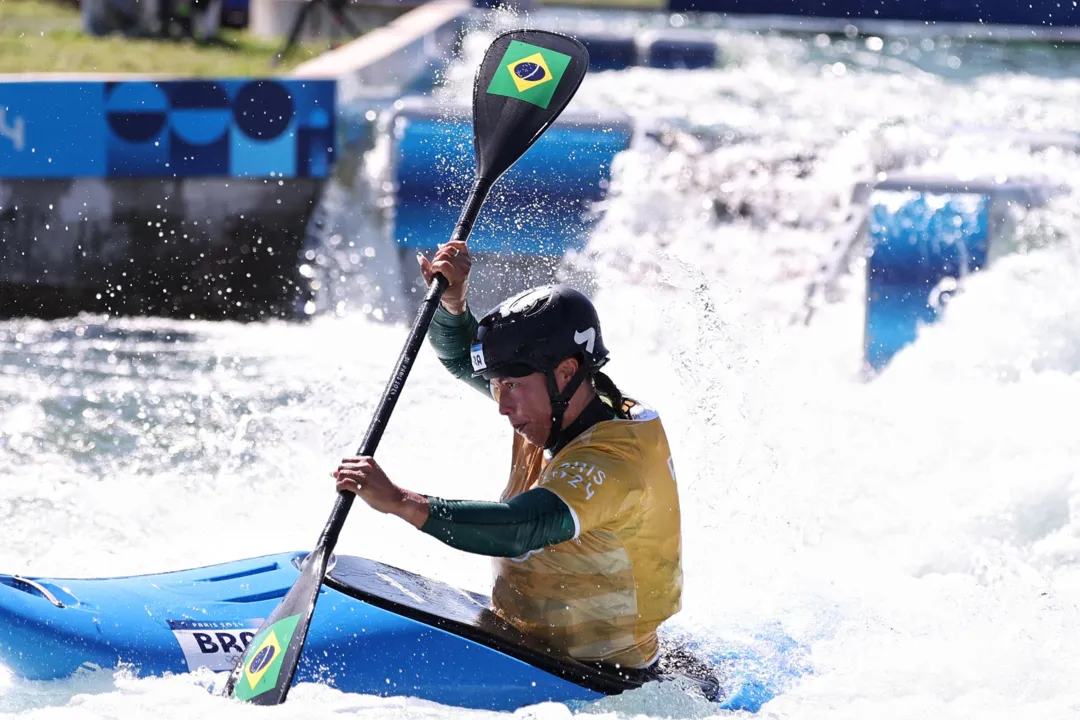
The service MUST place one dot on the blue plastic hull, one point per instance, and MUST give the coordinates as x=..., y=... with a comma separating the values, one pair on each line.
x=180, y=621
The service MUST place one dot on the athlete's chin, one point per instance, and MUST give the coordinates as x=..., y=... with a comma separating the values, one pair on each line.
x=528, y=431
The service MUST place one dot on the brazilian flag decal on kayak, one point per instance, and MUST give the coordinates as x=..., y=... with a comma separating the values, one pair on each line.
x=529, y=73
x=262, y=670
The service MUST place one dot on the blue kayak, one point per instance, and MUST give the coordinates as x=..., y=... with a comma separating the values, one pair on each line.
x=376, y=630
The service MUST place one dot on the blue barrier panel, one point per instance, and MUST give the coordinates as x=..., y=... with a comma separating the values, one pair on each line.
x=183, y=128
x=924, y=235
x=679, y=50
x=539, y=207
x=920, y=244
x=608, y=51
x=994, y=12
x=234, y=13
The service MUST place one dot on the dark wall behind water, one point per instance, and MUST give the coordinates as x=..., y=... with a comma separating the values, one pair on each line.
x=211, y=248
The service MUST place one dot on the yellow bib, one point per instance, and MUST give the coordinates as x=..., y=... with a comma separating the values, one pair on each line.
x=601, y=595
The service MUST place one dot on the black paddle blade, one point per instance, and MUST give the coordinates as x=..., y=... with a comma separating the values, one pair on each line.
x=525, y=81
x=266, y=670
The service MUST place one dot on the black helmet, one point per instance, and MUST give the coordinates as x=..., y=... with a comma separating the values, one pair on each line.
x=536, y=330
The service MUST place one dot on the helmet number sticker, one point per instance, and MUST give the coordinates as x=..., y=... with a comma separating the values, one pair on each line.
x=586, y=338
x=477, y=355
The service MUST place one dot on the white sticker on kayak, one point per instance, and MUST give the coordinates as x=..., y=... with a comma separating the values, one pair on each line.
x=478, y=362
x=213, y=644
x=399, y=587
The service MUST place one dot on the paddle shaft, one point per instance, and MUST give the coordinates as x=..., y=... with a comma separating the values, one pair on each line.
x=313, y=569
x=539, y=73
x=390, y=395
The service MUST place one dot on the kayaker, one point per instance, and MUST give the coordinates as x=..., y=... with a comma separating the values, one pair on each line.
x=586, y=536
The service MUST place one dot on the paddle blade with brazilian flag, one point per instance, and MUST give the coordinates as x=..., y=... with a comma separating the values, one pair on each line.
x=526, y=79
x=262, y=671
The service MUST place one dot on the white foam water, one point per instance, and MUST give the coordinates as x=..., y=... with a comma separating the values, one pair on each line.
x=913, y=534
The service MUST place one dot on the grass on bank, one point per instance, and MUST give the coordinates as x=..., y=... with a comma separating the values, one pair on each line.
x=46, y=36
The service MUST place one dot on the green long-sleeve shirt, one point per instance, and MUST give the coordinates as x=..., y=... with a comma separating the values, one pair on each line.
x=530, y=521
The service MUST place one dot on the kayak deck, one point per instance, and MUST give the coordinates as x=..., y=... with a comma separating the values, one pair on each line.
x=469, y=615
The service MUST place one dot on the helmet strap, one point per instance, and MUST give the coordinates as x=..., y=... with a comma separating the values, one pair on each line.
x=560, y=401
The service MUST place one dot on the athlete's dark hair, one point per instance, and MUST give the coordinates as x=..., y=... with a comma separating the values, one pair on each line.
x=606, y=387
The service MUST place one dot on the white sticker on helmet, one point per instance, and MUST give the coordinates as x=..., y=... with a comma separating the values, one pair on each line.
x=477, y=354
x=586, y=338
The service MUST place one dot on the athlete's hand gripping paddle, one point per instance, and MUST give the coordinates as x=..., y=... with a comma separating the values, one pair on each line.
x=525, y=81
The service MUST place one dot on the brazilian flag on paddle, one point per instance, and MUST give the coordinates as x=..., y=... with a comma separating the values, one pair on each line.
x=529, y=73
x=262, y=670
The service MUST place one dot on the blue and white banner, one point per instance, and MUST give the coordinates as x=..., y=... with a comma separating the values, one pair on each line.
x=183, y=128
